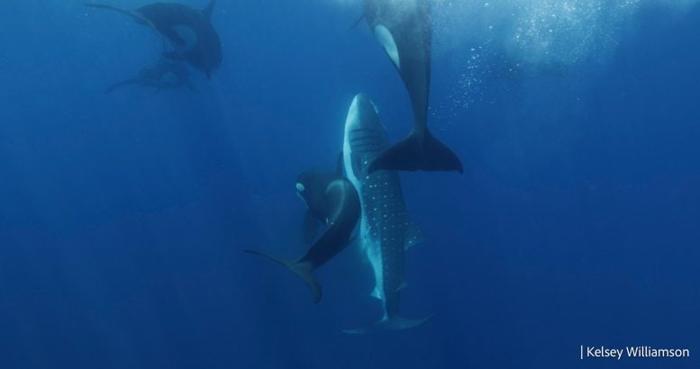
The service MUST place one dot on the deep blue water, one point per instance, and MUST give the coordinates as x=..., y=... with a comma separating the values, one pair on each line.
x=123, y=217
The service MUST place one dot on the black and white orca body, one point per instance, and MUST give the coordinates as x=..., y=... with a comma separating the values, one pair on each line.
x=335, y=201
x=403, y=28
x=189, y=31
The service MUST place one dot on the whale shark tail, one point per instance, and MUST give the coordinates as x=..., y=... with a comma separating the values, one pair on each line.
x=302, y=269
x=417, y=152
x=394, y=323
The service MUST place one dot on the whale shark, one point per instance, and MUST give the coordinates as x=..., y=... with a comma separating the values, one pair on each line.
x=403, y=29
x=336, y=202
x=189, y=30
x=164, y=75
x=386, y=230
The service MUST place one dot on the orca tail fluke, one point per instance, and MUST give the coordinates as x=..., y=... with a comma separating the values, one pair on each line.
x=395, y=323
x=417, y=152
x=301, y=269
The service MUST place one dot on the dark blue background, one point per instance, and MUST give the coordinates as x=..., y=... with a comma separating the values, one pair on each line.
x=123, y=217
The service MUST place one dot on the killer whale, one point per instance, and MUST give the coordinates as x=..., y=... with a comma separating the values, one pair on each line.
x=386, y=230
x=164, y=75
x=189, y=30
x=404, y=30
x=336, y=202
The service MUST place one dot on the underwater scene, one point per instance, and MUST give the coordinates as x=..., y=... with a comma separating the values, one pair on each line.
x=349, y=184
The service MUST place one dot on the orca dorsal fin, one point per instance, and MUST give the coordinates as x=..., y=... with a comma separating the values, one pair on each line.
x=209, y=9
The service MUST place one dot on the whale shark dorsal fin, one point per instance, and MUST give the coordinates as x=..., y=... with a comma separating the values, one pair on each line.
x=209, y=9
x=386, y=39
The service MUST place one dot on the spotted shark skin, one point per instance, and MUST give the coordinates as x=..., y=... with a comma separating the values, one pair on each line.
x=386, y=231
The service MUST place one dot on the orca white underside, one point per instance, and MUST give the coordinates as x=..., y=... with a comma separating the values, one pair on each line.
x=386, y=39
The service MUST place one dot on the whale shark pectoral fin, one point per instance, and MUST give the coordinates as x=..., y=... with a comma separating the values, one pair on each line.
x=417, y=152
x=386, y=39
x=395, y=323
x=302, y=269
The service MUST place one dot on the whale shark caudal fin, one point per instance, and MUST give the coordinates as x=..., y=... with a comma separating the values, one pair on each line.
x=417, y=152
x=302, y=269
x=209, y=9
x=395, y=323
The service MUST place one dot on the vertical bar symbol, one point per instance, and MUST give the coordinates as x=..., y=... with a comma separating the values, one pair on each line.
x=581, y=352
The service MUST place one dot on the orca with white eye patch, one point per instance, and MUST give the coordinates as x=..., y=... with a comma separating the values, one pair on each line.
x=403, y=29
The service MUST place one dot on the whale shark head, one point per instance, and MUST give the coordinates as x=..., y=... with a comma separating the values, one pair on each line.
x=363, y=114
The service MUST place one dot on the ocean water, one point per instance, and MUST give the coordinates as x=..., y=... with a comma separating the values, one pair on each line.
x=123, y=216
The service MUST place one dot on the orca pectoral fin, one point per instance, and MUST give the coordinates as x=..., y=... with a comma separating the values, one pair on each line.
x=301, y=269
x=140, y=19
x=395, y=323
x=417, y=152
